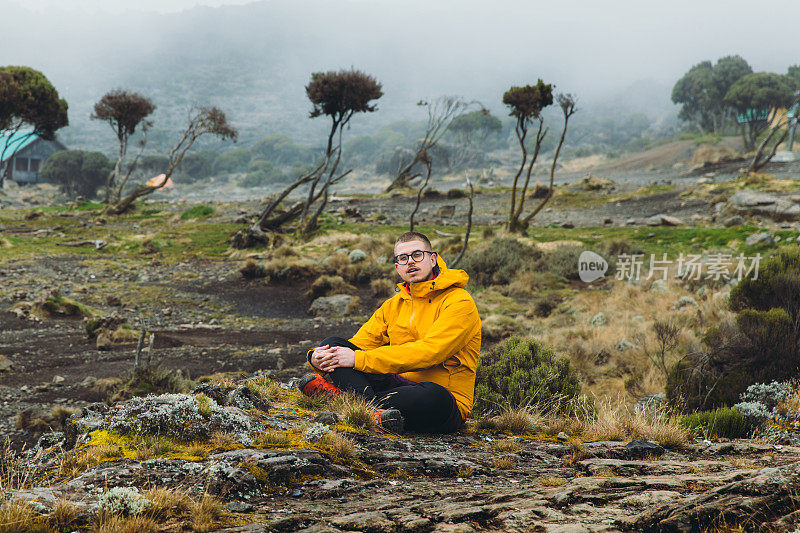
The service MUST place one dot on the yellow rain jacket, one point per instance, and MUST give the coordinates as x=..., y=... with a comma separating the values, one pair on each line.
x=432, y=334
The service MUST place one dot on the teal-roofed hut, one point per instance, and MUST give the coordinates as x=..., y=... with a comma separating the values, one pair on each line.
x=24, y=155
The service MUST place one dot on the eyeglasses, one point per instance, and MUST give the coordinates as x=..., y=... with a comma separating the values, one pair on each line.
x=416, y=256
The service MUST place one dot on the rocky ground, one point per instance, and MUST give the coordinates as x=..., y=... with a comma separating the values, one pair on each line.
x=475, y=480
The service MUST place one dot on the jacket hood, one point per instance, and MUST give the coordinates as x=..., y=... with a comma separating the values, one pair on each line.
x=448, y=277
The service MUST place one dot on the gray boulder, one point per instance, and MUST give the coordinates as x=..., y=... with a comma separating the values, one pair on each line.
x=663, y=220
x=759, y=238
x=334, y=306
x=768, y=205
x=735, y=220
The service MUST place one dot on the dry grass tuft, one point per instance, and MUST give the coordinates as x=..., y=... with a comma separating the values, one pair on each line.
x=112, y=523
x=197, y=449
x=551, y=481
x=382, y=288
x=503, y=463
x=63, y=517
x=223, y=441
x=105, y=387
x=271, y=439
x=619, y=423
x=151, y=446
x=167, y=503
x=38, y=420
x=18, y=517
x=354, y=411
x=266, y=388
x=465, y=471
x=504, y=446
x=339, y=447
x=207, y=514
x=315, y=402
x=576, y=453
x=516, y=420
x=252, y=269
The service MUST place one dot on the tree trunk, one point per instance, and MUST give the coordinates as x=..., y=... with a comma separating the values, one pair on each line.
x=419, y=193
x=469, y=226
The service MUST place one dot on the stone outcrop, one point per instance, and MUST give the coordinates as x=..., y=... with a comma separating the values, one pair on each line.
x=748, y=202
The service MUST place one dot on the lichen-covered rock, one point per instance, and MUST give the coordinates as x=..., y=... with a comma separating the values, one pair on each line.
x=177, y=415
x=244, y=398
x=327, y=417
x=218, y=393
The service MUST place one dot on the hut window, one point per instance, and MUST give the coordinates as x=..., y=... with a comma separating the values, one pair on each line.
x=35, y=165
x=21, y=164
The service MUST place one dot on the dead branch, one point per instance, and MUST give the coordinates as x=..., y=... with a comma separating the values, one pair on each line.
x=469, y=225
x=426, y=160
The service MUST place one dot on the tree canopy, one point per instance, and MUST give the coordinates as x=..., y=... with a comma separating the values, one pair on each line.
x=793, y=76
x=759, y=96
x=124, y=111
x=28, y=98
x=702, y=90
x=761, y=90
x=527, y=102
x=337, y=94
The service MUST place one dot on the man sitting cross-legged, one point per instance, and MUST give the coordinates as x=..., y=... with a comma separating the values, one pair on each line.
x=415, y=358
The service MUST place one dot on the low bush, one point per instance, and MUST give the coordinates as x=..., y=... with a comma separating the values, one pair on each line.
x=499, y=262
x=498, y=327
x=723, y=422
x=252, y=269
x=524, y=372
x=288, y=270
x=328, y=286
x=197, y=211
x=563, y=261
x=760, y=346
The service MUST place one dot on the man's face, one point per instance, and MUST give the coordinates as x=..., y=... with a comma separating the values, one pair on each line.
x=414, y=271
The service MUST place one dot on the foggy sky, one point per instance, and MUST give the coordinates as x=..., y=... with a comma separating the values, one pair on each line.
x=588, y=45
x=416, y=48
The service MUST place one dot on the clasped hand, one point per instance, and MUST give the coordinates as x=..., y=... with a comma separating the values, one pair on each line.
x=327, y=358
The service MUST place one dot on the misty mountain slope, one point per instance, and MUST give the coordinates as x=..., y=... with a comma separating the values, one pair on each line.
x=254, y=60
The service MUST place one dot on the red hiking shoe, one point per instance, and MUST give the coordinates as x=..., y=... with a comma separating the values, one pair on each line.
x=389, y=420
x=313, y=383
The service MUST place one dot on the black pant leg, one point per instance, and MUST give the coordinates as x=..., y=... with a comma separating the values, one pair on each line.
x=427, y=407
x=338, y=341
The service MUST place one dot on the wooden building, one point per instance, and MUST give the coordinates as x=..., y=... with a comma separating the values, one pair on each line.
x=24, y=155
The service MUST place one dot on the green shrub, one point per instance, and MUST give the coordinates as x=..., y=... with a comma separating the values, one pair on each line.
x=197, y=211
x=523, y=371
x=723, y=422
x=500, y=261
x=760, y=346
x=563, y=261
x=328, y=286
x=78, y=173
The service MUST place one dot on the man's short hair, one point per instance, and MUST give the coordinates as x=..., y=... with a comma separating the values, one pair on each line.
x=414, y=236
